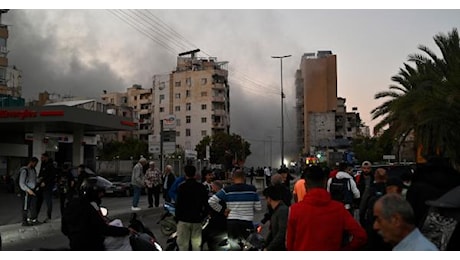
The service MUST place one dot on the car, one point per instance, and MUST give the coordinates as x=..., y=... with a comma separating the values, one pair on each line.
x=121, y=186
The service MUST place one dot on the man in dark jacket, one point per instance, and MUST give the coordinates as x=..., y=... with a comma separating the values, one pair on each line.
x=276, y=239
x=167, y=179
x=191, y=208
x=46, y=182
x=83, y=223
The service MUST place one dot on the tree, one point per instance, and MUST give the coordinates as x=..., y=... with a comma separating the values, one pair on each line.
x=426, y=99
x=124, y=150
x=223, y=148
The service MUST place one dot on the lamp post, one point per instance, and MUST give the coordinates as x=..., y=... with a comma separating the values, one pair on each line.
x=282, y=97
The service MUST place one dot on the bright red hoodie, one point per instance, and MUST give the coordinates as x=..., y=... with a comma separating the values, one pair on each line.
x=317, y=223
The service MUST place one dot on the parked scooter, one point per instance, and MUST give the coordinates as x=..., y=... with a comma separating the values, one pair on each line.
x=142, y=240
x=168, y=224
x=441, y=223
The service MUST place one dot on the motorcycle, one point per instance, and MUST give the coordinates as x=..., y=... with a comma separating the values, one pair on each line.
x=168, y=224
x=221, y=242
x=142, y=240
x=441, y=222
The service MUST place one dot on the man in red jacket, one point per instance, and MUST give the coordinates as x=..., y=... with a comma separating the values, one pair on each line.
x=319, y=223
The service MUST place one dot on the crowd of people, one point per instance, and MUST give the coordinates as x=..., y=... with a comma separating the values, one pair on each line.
x=338, y=209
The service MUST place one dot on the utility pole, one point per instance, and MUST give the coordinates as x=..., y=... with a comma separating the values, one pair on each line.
x=270, y=164
x=282, y=114
x=161, y=144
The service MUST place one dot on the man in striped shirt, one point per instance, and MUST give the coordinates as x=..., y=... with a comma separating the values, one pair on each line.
x=242, y=201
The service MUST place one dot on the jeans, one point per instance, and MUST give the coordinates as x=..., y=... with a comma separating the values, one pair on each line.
x=188, y=234
x=136, y=195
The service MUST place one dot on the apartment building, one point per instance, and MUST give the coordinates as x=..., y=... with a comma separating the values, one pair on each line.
x=196, y=94
x=132, y=104
x=322, y=118
x=10, y=76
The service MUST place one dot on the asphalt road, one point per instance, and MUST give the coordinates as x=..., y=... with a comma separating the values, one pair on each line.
x=118, y=208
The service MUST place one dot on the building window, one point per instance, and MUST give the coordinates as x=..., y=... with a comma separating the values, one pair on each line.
x=162, y=85
x=187, y=93
x=177, y=108
x=177, y=95
x=162, y=97
x=188, y=119
x=203, y=120
x=177, y=122
x=204, y=81
x=187, y=132
x=188, y=81
x=162, y=109
x=177, y=133
x=204, y=94
x=203, y=106
x=177, y=84
x=188, y=106
x=204, y=133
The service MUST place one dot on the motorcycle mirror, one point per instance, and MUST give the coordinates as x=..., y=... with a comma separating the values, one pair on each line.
x=104, y=211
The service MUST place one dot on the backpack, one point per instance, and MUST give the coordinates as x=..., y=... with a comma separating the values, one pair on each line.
x=17, y=177
x=340, y=190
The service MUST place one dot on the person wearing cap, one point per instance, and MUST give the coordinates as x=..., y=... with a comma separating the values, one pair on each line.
x=395, y=222
x=153, y=184
x=137, y=182
x=318, y=223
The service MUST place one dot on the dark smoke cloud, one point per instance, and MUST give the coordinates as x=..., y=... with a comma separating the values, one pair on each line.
x=50, y=60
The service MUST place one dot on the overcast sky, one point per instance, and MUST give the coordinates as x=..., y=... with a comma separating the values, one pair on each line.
x=83, y=52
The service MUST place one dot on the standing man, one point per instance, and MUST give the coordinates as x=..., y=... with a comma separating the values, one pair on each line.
x=65, y=183
x=168, y=180
x=395, y=222
x=27, y=183
x=153, y=183
x=300, y=189
x=276, y=238
x=137, y=181
x=364, y=181
x=318, y=223
x=208, y=179
x=46, y=179
x=268, y=176
x=242, y=201
x=191, y=208
x=343, y=187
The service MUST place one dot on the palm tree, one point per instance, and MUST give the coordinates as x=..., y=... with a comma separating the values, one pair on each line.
x=426, y=99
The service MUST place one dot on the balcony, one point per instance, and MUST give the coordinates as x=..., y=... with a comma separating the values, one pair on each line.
x=219, y=112
x=219, y=99
x=218, y=125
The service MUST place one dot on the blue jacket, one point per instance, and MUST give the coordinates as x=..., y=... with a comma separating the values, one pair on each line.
x=173, y=190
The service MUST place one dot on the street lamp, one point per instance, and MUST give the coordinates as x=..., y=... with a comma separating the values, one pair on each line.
x=282, y=97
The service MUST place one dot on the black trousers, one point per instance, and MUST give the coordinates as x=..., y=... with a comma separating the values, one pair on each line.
x=155, y=191
x=29, y=206
x=47, y=196
x=239, y=228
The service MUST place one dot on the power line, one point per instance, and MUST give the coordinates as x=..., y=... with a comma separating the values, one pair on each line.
x=130, y=23
x=158, y=28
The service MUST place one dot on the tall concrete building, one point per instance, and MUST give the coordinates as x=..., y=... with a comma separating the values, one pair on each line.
x=196, y=96
x=10, y=76
x=136, y=103
x=316, y=92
